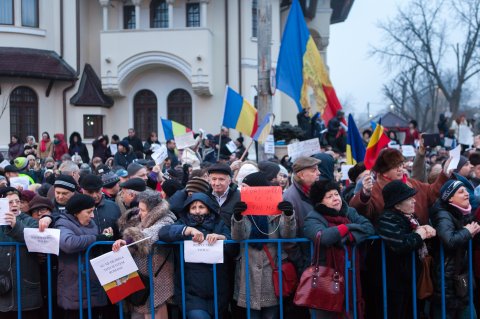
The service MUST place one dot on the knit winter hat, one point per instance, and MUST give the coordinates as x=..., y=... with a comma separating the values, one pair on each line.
x=320, y=188
x=91, y=182
x=462, y=162
x=27, y=195
x=110, y=179
x=449, y=188
x=40, y=202
x=20, y=163
x=355, y=171
x=79, y=202
x=245, y=170
x=197, y=185
x=133, y=168
x=474, y=158
x=171, y=186
x=256, y=179
x=387, y=159
x=396, y=192
x=270, y=169
x=65, y=181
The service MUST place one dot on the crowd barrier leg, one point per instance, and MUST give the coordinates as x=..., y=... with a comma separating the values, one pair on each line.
x=80, y=295
x=182, y=278
x=384, y=281
x=247, y=282
x=347, y=295
x=49, y=286
x=414, y=286
x=280, y=275
x=215, y=297
x=442, y=280
x=19, y=282
x=354, y=281
x=470, y=280
x=152, y=292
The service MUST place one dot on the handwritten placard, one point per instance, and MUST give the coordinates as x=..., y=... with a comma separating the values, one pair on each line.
x=185, y=140
x=203, y=252
x=113, y=265
x=304, y=148
x=408, y=151
x=261, y=200
x=269, y=145
x=21, y=181
x=231, y=146
x=47, y=242
x=4, y=208
x=160, y=154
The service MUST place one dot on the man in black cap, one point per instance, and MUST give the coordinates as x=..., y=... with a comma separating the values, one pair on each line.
x=224, y=193
x=128, y=196
x=106, y=213
x=111, y=186
x=64, y=188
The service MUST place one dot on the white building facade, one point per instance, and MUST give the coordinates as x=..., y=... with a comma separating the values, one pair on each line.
x=102, y=66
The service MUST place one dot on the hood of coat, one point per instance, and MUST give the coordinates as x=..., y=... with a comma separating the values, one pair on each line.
x=72, y=136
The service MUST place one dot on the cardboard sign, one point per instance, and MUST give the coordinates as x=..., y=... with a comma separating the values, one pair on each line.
x=304, y=148
x=262, y=200
x=4, y=208
x=345, y=169
x=113, y=265
x=269, y=145
x=204, y=252
x=47, y=242
x=185, y=140
x=160, y=154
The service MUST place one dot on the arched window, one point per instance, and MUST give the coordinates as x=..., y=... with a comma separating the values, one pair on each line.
x=145, y=113
x=254, y=18
x=179, y=107
x=24, y=112
x=158, y=14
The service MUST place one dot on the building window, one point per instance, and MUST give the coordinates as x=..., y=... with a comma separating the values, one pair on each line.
x=179, y=107
x=6, y=11
x=92, y=126
x=193, y=14
x=145, y=113
x=254, y=18
x=158, y=14
x=30, y=13
x=129, y=17
x=23, y=112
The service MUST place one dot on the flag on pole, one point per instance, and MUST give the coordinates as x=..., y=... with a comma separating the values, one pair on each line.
x=301, y=72
x=378, y=141
x=123, y=287
x=172, y=129
x=239, y=114
x=355, y=147
x=264, y=129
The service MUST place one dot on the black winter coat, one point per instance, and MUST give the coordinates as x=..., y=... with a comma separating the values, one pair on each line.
x=226, y=210
x=449, y=223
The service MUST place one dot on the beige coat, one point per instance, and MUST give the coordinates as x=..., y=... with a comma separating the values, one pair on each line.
x=262, y=293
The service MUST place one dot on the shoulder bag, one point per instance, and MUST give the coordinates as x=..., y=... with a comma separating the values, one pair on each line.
x=289, y=276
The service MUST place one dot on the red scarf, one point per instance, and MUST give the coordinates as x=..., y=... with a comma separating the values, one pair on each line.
x=339, y=255
x=43, y=144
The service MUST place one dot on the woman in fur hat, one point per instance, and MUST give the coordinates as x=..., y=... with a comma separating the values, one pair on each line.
x=402, y=233
x=339, y=225
x=200, y=221
x=455, y=225
x=144, y=222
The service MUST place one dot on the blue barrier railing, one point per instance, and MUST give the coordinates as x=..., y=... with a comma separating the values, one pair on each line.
x=350, y=267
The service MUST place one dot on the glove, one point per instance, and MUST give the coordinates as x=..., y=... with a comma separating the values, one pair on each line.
x=238, y=209
x=286, y=207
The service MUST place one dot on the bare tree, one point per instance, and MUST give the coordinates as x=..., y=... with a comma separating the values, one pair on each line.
x=417, y=42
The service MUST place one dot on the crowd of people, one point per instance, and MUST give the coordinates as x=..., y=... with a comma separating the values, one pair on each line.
x=414, y=204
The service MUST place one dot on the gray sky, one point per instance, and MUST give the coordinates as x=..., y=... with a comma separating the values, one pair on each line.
x=357, y=77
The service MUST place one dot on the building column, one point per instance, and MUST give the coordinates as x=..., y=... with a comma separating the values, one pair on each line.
x=170, y=13
x=203, y=13
x=137, y=3
x=105, y=4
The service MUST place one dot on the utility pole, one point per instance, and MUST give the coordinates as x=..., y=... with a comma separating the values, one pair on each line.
x=264, y=40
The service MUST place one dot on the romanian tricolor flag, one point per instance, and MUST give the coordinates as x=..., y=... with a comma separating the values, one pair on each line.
x=121, y=288
x=264, y=129
x=301, y=73
x=355, y=147
x=239, y=114
x=171, y=129
x=378, y=141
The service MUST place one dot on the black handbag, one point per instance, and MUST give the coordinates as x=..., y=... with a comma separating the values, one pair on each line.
x=140, y=297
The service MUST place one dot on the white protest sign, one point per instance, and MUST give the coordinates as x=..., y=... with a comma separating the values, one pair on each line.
x=455, y=155
x=231, y=146
x=185, y=140
x=269, y=145
x=345, y=169
x=203, y=252
x=21, y=181
x=394, y=145
x=160, y=154
x=113, y=149
x=465, y=135
x=47, y=242
x=4, y=164
x=155, y=147
x=408, y=151
x=4, y=208
x=113, y=265
x=448, y=142
x=304, y=148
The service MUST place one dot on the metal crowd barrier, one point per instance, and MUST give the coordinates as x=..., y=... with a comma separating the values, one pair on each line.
x=350, y=265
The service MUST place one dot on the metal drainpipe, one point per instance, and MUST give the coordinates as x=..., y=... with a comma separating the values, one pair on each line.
x=226, y=43
x=240, y=47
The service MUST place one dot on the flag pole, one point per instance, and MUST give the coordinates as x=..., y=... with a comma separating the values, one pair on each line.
x=246, y=150
x=219, y=144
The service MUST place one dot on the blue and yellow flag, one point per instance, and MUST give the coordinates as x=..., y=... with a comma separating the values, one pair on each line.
x=355, y=146
x=301, y=73
x=264, y=128
x=239, y=114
